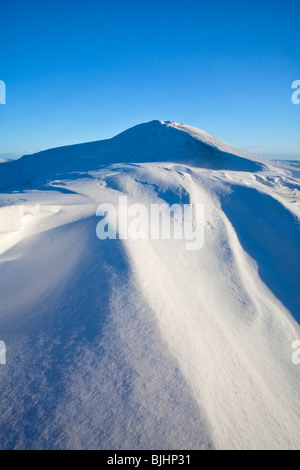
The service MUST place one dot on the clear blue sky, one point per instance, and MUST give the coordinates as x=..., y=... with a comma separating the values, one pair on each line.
x=77, y=71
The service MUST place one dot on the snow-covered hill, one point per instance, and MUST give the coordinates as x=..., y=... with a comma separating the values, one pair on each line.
x=141, y=344
x=152, y=142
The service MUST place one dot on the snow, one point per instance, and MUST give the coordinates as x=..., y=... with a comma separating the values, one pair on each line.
x=141, y=344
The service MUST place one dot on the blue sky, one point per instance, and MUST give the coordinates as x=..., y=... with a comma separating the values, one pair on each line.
x=77, y=71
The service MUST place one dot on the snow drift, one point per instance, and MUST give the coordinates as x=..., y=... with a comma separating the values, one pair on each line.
x=151, y=142
x=123, y=344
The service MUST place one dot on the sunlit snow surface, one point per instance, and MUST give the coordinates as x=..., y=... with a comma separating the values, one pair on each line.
x=123, y=344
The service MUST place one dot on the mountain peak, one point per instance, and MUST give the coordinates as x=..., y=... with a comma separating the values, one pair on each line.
x=154, y=141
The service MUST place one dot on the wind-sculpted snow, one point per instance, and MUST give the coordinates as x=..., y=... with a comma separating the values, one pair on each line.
x=151, y=142
x=142, y=344
x=271, y=236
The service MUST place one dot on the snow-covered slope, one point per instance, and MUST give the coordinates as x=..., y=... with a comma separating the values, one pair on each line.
x=142, y=344
x=151, y=142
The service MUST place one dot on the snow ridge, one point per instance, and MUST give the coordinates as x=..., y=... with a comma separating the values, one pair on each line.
x=123, y=344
